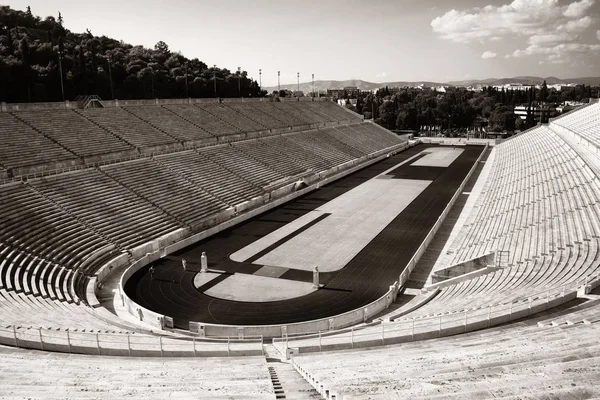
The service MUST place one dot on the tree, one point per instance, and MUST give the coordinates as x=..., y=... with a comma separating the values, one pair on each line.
x=530, y=119
x=29, y=69
x=407, y=119
x=25, y=59
x=9, y=41
x=544, y=92
x=387, y=114
x=502, y=119
x=545, y=116
x=359, y=105
x=519, y=124
x=162, y=48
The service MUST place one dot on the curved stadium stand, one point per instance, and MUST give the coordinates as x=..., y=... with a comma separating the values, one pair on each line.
x=140, y=172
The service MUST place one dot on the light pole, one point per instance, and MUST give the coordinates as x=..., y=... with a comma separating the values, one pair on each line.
x=152, y=75
x=112, y=93
x=313, y=85
x=60, y=51
x=298, y=74
x=260, y=79
x=215, y=78
x=278, y=83
x=186, y=79
x=373, y=109
x=239, y=71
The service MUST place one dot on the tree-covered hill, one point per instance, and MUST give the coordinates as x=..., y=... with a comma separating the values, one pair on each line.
x=33, y=50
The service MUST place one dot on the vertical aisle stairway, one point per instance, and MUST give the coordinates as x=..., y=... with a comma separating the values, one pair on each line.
x=287, y=382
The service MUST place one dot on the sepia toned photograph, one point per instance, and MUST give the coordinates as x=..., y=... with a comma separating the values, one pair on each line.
x=300, y=199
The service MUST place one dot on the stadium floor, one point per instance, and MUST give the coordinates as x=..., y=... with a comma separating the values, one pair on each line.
x=364, y=279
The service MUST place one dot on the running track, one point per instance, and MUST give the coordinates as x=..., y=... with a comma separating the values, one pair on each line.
x=366, y=278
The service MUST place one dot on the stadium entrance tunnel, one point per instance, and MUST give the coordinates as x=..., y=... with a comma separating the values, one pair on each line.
x=236, y=300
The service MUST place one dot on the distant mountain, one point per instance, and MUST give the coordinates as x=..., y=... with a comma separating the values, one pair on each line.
x=323, y=85
x=528, y=80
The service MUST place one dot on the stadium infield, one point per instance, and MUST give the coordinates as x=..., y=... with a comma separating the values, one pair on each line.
x=363, y=279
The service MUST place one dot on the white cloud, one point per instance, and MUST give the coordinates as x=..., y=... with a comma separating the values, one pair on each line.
x=519, y=18
x=548, y=29
x=559, y=51
x=577, y=25
x=382, y=75
x=578, y=9
x=546, y=38
x=488, y=54
x=567, y=32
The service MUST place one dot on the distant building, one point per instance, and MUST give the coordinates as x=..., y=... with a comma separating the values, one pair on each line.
x=284, y=93
x=351, y=91
x=390, y=90
x=521, y=111
x=516, y=87
x=335, y=93
x=345, y=93
x=477, y=88
x=343, y=102
x=557, y=87
x=573, y=103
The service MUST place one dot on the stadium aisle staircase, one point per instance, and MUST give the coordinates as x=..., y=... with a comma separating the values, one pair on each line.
x=92, y=377
x=272, y=109
x=585, y=122
x=170, y=123
x=128, y=127
x=211, y=177
x=464, y=366
x=202, y=119
x=112, y=209
x=74, y=132
x=174, y=194
x=58, y=230
x=240, y=164
x=231, y=117
x=23, y=146
x=263, y=119
x=280, y=162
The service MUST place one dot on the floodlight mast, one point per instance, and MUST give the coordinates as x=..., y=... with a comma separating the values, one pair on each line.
x=239, y=71
x=60, y=54
x=278, y=82
x=215, y=78
x=112, y=93
x=186, y=78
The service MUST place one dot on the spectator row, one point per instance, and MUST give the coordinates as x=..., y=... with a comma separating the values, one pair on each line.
x=43, y=140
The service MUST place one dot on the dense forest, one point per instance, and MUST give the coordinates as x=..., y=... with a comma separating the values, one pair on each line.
x=35, y=52
x=459, y=108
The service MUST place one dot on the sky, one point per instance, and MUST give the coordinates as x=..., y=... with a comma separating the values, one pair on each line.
x=372, y=40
